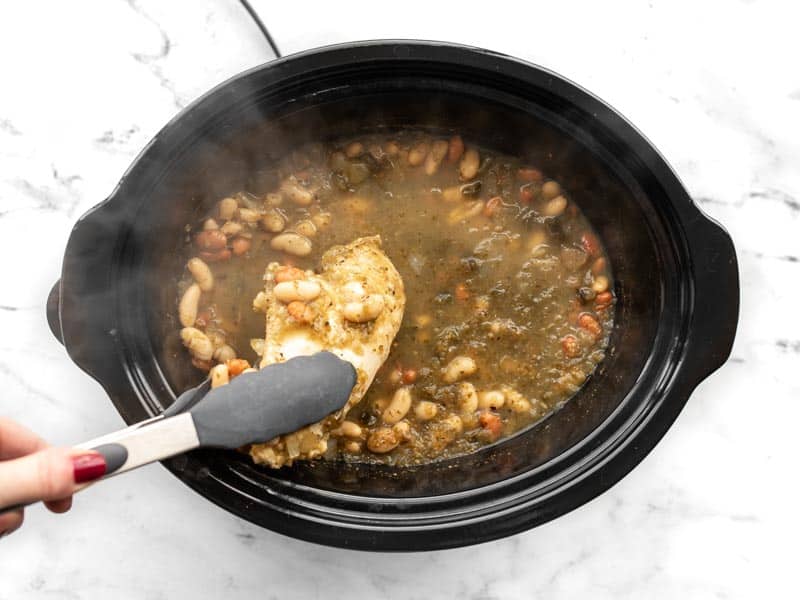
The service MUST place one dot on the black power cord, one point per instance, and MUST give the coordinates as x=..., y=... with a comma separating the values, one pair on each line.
x=260, y=24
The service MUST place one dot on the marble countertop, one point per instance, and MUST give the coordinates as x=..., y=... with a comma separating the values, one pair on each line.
x=711, y=512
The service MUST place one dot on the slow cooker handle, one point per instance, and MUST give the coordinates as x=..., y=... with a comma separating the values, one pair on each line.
x=715, y=306
x=53, y=310
x=82, y=309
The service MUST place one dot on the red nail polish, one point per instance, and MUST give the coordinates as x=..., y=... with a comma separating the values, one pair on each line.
x=87, y=467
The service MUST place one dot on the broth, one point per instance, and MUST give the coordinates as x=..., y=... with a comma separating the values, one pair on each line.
x=509, y=293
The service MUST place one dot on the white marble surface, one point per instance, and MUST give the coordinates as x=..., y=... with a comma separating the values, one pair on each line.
x=711, y=512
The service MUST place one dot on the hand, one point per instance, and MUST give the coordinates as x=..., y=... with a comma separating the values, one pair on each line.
x=31, y=470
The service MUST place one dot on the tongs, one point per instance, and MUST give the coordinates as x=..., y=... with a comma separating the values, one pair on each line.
x=253, y=407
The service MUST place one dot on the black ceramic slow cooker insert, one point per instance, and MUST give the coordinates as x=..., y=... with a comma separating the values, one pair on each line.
x=675, y=270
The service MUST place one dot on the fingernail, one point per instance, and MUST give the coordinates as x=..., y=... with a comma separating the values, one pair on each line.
x=88, y=467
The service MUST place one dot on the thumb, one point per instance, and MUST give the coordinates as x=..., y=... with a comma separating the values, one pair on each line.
x=49, y=474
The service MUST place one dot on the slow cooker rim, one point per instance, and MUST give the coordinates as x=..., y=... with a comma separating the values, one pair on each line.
x=367, y=48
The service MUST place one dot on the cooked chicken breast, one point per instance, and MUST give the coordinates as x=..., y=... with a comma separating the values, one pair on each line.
x=352, y=308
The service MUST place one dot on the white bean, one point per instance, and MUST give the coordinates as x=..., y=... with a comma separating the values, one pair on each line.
x=306, y=228
x=395, y=376
x=209, y=225
x=217, y=338
x=467, y=398
x=219, y=376
x=298, y=289
x=273, y=221
x=418, y=153
x=224, y=353
x=555, y=207
x=260, y=302
x=382, y=440
x=248, y=215
x=519, y=405
x=454, y=423
x=600, y=284
x=463, y=212
x=187, y=308
x=425, y=410
x=402, y=430
x=349, y=429
x=292, y=243
x=452, y=193
x=491, y=399
x=258, y=345
x=354, y=149
x=201, y=273
x=353, y=447
x=550, y=189
x=435, y=156
x=391, y=148
x=398, y=407
x=459, y=368
x=231, y=228
x=197, y=342
x=227, y=208
x=366, y=310
x=296, y=193
x=470, y=162
x=273, y=199
x=353, y=291
x=516, y=401
x=322, y=220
